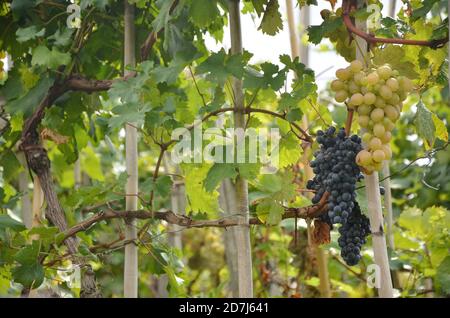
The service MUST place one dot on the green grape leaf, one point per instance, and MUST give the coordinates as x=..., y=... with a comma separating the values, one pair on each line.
x=62, y=38
x=286, y=102
x=412, y=220
x=219, y=66
x=163, y=17
x=101, y=4
x=163, y=185
x=32, y=98
x=7, y=222
x=249, y=171
x=272, y=77
x=28, y=254
x=443, y=276
x=51, y=59
x=11, y=166
x=29, y=275
x=217, y=173
x=422, y=11
x=271, y=22
x=90, y=163
x=424, y=125
x=269, y=211
x=294, y=115
x=29, y=33
x=317, y=32
x=289, y=150
x=203, y=12
x=168, y=74
x=129, y=113
x=45, y=233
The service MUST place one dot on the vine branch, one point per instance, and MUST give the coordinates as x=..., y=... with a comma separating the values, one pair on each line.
x=347, y=6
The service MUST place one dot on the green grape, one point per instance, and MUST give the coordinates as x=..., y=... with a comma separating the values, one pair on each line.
x=356, y=66
x=375, y=143
x=372, y=78
x=384, y=72
x=377, y=115
x=377, y=166
x=364, y=158
x=352, y=87
x=366, y=137
x=385, y=92
x=357, y=78
x=387, y=152
x=369, y=98
x=402, y=95
x=391, y=112
x=363, y=121
x=395, y=99
x=356, y=99
x=386, y=138
x=380, y=103
x=364, y=81
x=343, y=74
x=337, y=85
x=376, y=87
x=378, y=155
x=405, y=84
x=388, y=124
x=364, y=90
x=364, y=109
x=341, y=96
x=393, y=84
x=378, y=130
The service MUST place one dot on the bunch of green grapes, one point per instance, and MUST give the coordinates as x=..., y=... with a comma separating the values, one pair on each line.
x=2, y=71
x=377, y=95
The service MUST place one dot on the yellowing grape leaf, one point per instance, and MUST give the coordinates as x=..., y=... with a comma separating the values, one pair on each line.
x=424, y=125
x=271, y=22
x=198, y=199
x=441, y=129
x=394, y=55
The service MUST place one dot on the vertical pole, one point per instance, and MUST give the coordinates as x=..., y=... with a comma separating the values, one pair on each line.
x=227, y=202
x=374, y=200
x=131, y=250
x=392, y=4
x=241, y=187
x=302, y=51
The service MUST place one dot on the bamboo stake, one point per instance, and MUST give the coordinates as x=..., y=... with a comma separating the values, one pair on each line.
x=227, y=202
x=300, y=50
x=131, y=250
x=241, y=188
x=392, y=4
x=374, y=200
